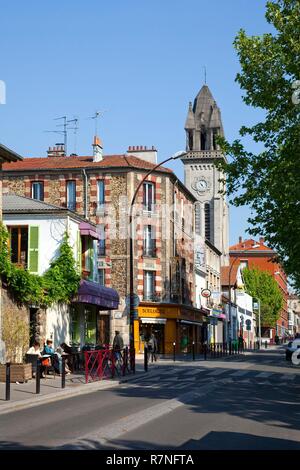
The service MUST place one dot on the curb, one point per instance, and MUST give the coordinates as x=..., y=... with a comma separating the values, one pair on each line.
x=66, y=393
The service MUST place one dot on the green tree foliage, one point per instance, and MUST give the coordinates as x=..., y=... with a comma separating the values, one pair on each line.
x=270, y=181
x=62, y=278
x=59, y=284
x=261, y=285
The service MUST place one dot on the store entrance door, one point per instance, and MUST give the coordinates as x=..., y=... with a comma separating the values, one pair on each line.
x=146, y=329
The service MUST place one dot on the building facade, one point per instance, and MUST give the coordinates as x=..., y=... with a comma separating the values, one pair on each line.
x=252, y=254
x=100, y=188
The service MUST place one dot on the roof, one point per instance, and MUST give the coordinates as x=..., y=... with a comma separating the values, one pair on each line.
x=225, y=274
x=251, y=245
x=7, y=155
x=109, y=161
x=13, y=204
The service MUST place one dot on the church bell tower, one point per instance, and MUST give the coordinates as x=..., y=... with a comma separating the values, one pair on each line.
x=203, y=125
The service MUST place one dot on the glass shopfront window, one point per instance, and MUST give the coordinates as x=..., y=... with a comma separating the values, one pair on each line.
x=89, y=326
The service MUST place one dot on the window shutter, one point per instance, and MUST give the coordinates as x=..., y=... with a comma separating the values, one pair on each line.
x=91, y=255
x=33, y=265
x=79, y=252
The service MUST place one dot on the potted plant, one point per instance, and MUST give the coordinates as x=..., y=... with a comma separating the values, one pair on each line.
x=15, y=334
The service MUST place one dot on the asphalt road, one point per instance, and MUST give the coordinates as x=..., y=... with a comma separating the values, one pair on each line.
x=247, y=403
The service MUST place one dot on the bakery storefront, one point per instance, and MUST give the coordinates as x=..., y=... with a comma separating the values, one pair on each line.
x=170, y=323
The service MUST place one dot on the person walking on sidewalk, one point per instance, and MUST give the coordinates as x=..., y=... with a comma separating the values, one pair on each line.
x=153, y=347
x=118, y=345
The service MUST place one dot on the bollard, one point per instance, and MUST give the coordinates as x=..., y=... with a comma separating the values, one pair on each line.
x=174, y=351
x=145, y=358
x=38, y=376
x=229, y=348
x=7, y=381
x=205, y=351
x=193, y=350
x=63, y=372
x=266, y=344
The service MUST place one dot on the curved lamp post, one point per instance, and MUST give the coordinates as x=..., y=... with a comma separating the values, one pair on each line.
x=131, y=318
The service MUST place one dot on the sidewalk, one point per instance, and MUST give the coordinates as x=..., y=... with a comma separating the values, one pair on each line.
x=22, y=395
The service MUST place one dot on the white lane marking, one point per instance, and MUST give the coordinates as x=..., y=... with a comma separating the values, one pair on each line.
x=217, y=372
x=264, y=375
x=239, y=373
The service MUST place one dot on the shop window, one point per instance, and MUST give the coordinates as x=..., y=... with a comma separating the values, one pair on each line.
x=89, y=326
x=75, y=326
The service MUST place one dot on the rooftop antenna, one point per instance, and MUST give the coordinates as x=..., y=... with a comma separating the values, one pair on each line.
x=96, y=116
x=64, y=132
x=75, y=128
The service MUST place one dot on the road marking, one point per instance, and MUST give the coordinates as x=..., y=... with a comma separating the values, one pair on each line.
x=217, y=372
x=239, y=373
x=263, y=375
x=140, y=418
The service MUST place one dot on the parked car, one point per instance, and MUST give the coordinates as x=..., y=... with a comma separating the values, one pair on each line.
x=292, y=347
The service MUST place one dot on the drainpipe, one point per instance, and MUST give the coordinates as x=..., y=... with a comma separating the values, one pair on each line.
x=85, y=193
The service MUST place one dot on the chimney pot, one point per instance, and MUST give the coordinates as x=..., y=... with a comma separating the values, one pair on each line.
x=240, y=239
x=261, y=240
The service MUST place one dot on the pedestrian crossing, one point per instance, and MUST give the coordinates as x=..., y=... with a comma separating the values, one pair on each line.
x=184, y=378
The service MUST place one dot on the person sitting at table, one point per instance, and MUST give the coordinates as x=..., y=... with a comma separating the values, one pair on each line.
x=70, y=359
x=55, y=357
x=36, y=349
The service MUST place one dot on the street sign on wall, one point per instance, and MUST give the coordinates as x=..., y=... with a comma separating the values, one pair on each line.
x=206, y=293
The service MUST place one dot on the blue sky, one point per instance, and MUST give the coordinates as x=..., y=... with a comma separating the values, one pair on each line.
x=140, y=61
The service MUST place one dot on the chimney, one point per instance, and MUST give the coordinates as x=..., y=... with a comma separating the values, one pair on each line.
x=261, y=240
x=142, y=152
x=57, y=151
x=97, y=150
x=240, y=239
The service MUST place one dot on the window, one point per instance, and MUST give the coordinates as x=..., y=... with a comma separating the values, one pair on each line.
x=101, y=276
x=203, y=140
x=71, y=195
x=18, y=238
x=207, y=220
x=243, y=264
x=149, y=240
x=149, y=285
x=75, y=326
x=37, y=190
x=100, y=193
x=190, y=140
x=101, y=242
x=89, y=326
x=148, y=196
x=215, y=134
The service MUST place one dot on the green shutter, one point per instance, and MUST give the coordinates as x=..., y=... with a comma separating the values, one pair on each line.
x=79, y=252
x=33, y=265
x=91, y=256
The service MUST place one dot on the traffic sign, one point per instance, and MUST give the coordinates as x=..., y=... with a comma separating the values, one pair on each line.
x=206, y=293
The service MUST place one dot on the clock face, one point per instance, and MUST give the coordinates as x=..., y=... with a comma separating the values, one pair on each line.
x=201, y=185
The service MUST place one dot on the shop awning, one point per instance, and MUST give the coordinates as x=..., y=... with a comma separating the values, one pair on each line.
x=187, y=322
x=87, y=229
x=154, y=320
x=92, y=293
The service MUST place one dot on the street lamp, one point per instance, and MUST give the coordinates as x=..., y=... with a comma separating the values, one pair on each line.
x=229, y=282
x=131, y=293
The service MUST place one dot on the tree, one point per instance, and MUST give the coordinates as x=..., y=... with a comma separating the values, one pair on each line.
x=269, y=181
x=261, y=285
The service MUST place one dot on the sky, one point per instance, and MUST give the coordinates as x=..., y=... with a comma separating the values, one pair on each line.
x=139, y=62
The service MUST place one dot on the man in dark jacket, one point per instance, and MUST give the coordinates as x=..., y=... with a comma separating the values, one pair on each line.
x=118, y=344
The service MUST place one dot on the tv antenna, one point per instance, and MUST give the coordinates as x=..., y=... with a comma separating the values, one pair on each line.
x=75, y=129
x=96, y=117
x=62, y=132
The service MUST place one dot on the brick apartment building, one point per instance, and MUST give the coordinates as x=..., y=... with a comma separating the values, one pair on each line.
x=100, y=189
x=252, y=254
